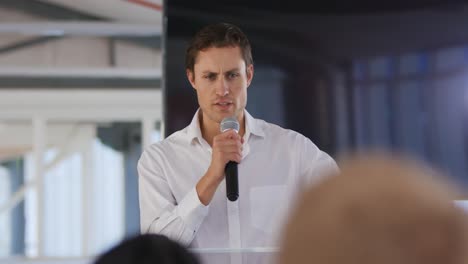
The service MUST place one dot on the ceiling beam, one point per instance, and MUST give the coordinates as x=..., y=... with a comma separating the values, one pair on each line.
x=95, y=29
x=45, y=10
x=150, y=38
x=58, y=78
x=14, y=82
x=103, y=105
x=25, y=44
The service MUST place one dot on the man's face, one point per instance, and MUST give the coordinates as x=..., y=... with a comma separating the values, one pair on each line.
x=221, y=79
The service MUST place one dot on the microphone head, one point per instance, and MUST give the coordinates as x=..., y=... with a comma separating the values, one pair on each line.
x=229, y=123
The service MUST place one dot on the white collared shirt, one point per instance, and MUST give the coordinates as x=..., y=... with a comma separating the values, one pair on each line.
x=276, y=163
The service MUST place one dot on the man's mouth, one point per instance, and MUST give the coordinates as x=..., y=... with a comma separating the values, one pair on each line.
x=224, y=105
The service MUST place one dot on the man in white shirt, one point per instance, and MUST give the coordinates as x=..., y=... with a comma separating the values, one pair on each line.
x=181, y=179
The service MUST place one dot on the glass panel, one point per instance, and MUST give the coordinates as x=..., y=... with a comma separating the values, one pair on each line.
x=90, y=189
x=5, y=218
x=450, y=59
x=413, y=64
x=380, y=68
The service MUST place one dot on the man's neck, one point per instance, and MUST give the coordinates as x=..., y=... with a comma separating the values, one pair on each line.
x=210, y=129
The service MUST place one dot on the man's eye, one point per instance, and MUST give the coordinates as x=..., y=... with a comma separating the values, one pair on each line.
x=210, y=77
x=233, y=75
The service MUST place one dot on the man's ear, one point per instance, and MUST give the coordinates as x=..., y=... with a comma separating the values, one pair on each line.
x=250, y=73
x=191, y=77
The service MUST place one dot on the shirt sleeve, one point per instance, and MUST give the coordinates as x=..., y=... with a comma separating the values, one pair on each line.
x=315, y=163
x=159, y=211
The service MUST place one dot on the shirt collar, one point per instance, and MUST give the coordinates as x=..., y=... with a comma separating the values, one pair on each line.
x=252, y=126
x=193, y=130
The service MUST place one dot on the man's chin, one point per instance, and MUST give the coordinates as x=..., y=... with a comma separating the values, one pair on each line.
x=224, y=114
x=217, y=116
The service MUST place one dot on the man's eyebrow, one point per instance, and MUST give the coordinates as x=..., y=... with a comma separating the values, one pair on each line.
x=233, y=70
x=229, y=71
x=208, y=71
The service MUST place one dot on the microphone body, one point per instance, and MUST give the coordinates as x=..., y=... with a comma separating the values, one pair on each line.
x=232, y=182
x=230, y=171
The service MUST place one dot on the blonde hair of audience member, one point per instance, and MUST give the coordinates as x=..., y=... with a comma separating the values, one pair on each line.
x=380, y=209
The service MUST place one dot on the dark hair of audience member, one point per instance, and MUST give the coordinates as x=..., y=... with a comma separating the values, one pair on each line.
x=148, y=249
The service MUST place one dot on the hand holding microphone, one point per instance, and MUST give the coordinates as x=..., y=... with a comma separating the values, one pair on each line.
x=226, y=153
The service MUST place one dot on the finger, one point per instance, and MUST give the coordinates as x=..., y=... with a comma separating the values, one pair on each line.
x=235, y=157
x=227, y=142
x=230, y=149
x=223, y=145
x=238, y=158
x=230, y=134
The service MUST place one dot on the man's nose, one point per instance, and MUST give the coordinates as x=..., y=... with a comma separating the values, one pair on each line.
x=222, y=88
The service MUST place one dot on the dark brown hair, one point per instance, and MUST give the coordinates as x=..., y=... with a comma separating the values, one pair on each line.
x=217, y=35
x=147, y=249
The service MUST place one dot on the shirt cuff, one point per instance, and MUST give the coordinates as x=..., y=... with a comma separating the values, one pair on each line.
x=192, y=211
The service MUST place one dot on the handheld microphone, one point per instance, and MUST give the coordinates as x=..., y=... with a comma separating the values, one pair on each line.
x=232, y=182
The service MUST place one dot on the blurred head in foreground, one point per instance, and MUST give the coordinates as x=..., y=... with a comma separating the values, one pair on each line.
x=378, y=210
x=148, y=249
